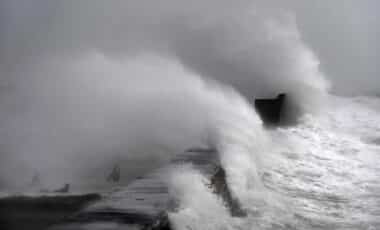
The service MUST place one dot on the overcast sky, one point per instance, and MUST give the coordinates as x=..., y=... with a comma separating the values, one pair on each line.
x=343, y=35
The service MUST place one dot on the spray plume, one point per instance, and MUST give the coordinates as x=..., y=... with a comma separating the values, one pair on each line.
x=140, y=79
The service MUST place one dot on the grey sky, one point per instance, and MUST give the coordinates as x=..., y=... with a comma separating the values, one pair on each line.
x=343, y=36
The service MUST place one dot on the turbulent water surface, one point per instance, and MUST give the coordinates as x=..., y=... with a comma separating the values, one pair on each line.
x=320, y=174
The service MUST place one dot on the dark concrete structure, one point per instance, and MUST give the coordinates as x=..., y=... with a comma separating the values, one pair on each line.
x=145, y=202
x=39, y=213
x=271, y=110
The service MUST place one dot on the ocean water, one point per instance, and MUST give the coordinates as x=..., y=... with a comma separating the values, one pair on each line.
x=323, y=173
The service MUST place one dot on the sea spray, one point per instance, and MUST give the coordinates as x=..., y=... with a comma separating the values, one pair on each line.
x=240, y=139
x=198, y=207
x=71, y=92
x=237, y=134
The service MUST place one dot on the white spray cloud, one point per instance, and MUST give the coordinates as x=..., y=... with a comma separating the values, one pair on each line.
x=256, y=48
x=199, y=208
x=87, y=112
x=77, y=81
